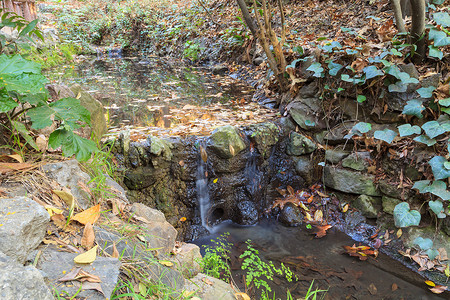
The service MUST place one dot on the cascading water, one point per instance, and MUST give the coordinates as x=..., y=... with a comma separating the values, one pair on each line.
x=202, y=187
x=252, y=173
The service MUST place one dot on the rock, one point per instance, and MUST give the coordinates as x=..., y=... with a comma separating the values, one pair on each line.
x=68, y=174
x=19, y=282
x=265, y=136
x=150, y=214
x=389, y=190
x=160, y=236
x=410, y=69
x=248, y=213
x=226, y=142
x=309, y=90
x=306, y=113
x=172, y=279
x=258, y=60
x=127, y=249
x=219, y=69
x=358, y=161
x=369, y=206
x=397, y=101
x=299, y=144
x=334, y=156
x=389, y=204
x=116, y=188
x=98, y=121
x=187, y=259
x=440, y=240
x=141, y=178
x=291, y=215
x=350, y=181
x=305, y=168
x=432, y=80
x=54, y=264
x=24, y=224
x=336, y=134
x=160, y=147
x=209, y=288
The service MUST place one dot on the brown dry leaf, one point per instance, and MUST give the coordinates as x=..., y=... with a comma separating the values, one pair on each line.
x=203, y=154
x=290, y=190
x=70, y=276
x=115, y=253
x=394, y=287
x=207, y=281
x=241, y=296
x=141, y=219
x=321, y=230
x=11, y=167
x=42, y=143
x=318, y=215
x=90, y=215
x=231, y=148
x=92, y=286
x=442, y=254
x=372, y=289
x=438, y=289
x=85, y=276
x=88, y=236
x=8, y=157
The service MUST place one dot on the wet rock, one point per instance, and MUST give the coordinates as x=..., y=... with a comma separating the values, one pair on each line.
x=54, y=264
x=412, y=173
x=219, y=69
x=160, y=147
x=305, y=168
x=209, y=288
x=226, y=142
x=358, y=161
x=98, y=121
x=231, y=165
x=291, y=215
x=397, y=101
x=265, y=136
x=299, y=144
x=336, y=135
x=258, y=60
x=19, y=282
x=350, y=181
x=334, y=156
x=389, y=204
x=142, y=177
x=68, y=174
x=389, y=190
x=187, y=259
x=247, y=213
x=369, y=206
x=24, y=224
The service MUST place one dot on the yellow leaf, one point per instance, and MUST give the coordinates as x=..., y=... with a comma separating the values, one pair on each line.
x=182, y=219
x=188, y=294
x=53, y=210
x=86, y=257
x=399, y=233
x=90, y=215
x=447, y=271
x=308, y=217
x=215, y=180
x=303, y=206
x=318, y=215
x=166, y=263
x=430, y=283
x=66, y=197
x=345, y=208
x=231, y=150
x=241, y=296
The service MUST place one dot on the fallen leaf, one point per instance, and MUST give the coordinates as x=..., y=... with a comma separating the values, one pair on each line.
x=66, y=197
x=372, y=289
x=345, y=208
x=399, y=233
x=203, y=154
x=321, y=230
x=70, y=276
x=290, y=190
x=438, y=289
x=318, y=216
x=7, y=157
x=166, y=263
x=231, y=148
x=183, y=219
x=394, y=287
x=215, y=180
x=53, y=210
x=92, y=286
x=241, y=296
x=90, y=215
x=115, y=253
x=85, y=276
x=207, y=281
x=430, y=283
x=10, y=167
x=86, y=257
x=88, y=236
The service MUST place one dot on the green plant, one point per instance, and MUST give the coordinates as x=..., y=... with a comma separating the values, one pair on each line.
x=216, y=260
x=260, y=272
x=192, y=50
x=310, y=294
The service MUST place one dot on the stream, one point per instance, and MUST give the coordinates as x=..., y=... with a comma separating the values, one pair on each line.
x=162, y=97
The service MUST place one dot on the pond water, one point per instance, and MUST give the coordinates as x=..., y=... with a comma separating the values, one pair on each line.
x=322, y=260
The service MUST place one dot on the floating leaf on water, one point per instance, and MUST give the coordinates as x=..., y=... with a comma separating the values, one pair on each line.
x=203, y=153
x=87, y=257
x=394, y=287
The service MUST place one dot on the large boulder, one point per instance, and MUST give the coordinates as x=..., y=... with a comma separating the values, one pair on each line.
x=350, y=181
x=24, y=224
x=209, y=288
x=19, y=282
x=187, y=258
x=226, y=142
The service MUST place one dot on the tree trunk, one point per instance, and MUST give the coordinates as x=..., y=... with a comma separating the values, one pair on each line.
x=418, y=28
x=247, y=18
x=396, y=6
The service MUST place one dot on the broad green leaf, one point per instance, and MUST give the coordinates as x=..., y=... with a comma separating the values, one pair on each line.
x=6, y=102
x=425, y=140
x=426, y=92
x=424, y=244
x=438, y=188
x=41, y=116
x=310, y=123
x=407, y=129
x=438, y=208
x=421, y=185
x=445, y=110
x=435, y=52
x=30, y=26
x=35, y=99
x=445, y=102
x=442, y=18
x=404, y=77
x=404, y=216
x=432, y=253
x=23, y=131
x=17, y=65
x=351, y=51
x=386, y=135
x=372, y=72
x=437, y=166
x=334, y=68
x=24, y=83
x=440, y=38
x=72, y=144
x=361, y=98
x=447, y=165
x=317, y=69
x=413, y=108
x=363, y=127
x=433, y=129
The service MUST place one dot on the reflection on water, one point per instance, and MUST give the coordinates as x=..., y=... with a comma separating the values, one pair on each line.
x=151, y=91
x=321, y=260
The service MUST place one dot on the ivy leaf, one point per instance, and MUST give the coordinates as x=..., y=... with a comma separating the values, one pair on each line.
x=435, y=52
x=445, y=102
x=438, y=208
x=438, y=188
x=404, y=216
x=361, y=98
x=372, y=72
x=424, y=244
x=442, y=18
x=438, y=2
x=421, y=185
x=407, y=129
x=398, y=87
x=334, y=68
x=310, y=123
x=432, y=253
x=433, y=129
x=359, y=129
x=426, y=92
x=425, y=140
x=440, y=38
x=413, y=108
x=386, y=135
x=438, y=168
x=317, y=69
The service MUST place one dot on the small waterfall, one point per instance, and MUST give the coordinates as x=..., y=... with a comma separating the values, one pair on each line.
x=252, y=173
x=202, y=187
